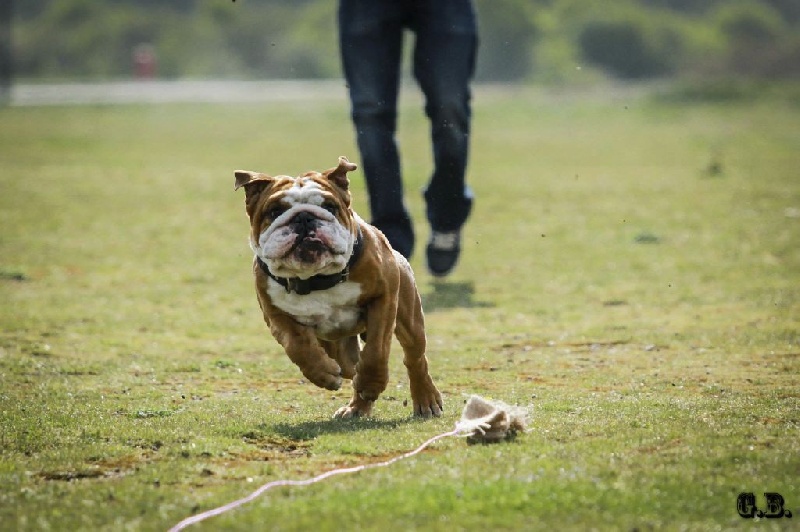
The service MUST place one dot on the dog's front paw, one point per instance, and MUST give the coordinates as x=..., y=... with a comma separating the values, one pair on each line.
x=358, y=407
x=327, y=375
x=370, y=385
x=427, y=400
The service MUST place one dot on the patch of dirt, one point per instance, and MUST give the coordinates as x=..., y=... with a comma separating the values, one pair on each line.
x=69, y=476
x=668, y=446
x=272, y=447
x=575, y=347
x=98, y=468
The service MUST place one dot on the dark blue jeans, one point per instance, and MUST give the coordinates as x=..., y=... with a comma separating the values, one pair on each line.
x=371, y=45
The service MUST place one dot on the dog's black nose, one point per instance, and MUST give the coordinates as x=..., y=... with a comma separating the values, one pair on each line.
x=304, y=220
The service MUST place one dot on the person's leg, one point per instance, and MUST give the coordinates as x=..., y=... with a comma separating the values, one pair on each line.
x=371, y=45
x=444, y=62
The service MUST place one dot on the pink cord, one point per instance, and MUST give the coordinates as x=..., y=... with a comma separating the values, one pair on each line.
x=235, y=504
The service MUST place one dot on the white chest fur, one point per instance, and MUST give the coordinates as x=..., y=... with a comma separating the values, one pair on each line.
x=326, y=311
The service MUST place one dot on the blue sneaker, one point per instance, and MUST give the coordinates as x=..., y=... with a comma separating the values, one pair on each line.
x=442, y=252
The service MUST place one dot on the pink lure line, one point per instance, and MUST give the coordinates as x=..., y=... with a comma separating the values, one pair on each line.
x=235, y=504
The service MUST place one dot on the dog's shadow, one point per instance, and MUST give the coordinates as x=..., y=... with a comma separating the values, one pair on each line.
x=308, y=430
x=447, y=295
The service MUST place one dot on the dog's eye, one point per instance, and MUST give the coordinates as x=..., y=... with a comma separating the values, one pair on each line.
x=331, y=207
x=275, y=212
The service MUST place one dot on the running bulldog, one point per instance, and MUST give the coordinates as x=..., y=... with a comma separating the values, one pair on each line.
x=331, y=288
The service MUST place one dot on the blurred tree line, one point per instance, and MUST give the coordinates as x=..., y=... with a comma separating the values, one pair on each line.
x=556, y=41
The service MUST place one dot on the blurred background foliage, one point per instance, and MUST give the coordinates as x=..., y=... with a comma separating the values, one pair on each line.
x=545, y=41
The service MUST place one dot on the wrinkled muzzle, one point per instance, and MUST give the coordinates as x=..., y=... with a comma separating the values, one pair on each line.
x=303, y=242
x=308, y=245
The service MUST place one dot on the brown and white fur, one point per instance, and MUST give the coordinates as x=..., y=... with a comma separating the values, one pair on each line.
x=303, y=228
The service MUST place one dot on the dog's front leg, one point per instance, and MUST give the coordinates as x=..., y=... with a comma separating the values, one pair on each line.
x=305, y=351
x=372, y=370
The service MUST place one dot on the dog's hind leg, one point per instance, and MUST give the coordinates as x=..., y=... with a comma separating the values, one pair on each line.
x=410, y=332
x=304, y=349
x=346, y=352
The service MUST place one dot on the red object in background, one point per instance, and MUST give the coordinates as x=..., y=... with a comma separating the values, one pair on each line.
x=144, y=61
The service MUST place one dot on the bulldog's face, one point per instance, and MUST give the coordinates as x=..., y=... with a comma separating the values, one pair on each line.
x=301, y=226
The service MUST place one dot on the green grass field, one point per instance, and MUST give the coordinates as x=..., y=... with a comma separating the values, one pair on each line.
x=631, y=270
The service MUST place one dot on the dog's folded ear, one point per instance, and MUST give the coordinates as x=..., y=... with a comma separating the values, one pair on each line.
x=338, y=175
x=254, y=183
x=246, y=177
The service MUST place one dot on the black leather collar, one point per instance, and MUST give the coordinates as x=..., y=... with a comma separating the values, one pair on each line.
x=304, y=287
